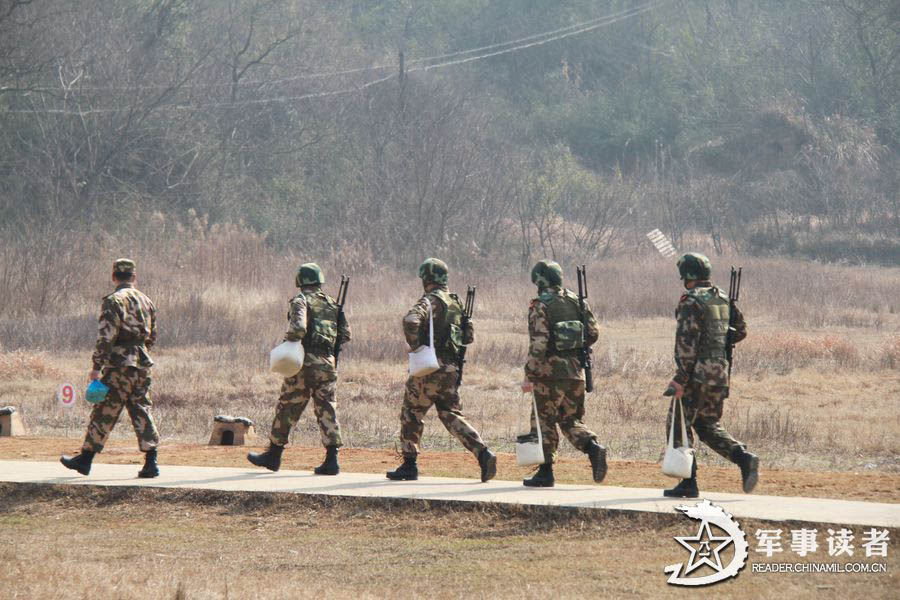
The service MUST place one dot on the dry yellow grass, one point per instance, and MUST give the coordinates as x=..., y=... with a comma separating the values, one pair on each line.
x=820, y=416
x=22, y=364
x=195, y=544
x=815, y=389
x=815, y=383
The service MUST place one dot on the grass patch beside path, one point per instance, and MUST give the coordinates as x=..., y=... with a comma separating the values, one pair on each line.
x=66, y=541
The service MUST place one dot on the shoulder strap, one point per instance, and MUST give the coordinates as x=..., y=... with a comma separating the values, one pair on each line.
x=537, y=418
x=439, y=296
x=684, y=436
x=430, y=326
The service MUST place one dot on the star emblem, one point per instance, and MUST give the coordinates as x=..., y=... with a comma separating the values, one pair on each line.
x=707, y=545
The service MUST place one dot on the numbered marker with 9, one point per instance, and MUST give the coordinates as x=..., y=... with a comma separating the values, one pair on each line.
x=66, y=395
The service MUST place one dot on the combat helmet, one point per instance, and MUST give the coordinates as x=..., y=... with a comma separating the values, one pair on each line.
x=309, y=274
x=123, y=268
x=434, y=270
x=546, y=273
x=694, y=266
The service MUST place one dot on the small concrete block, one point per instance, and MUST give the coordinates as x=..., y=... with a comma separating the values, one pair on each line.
x=231, y=431
x=11, y=423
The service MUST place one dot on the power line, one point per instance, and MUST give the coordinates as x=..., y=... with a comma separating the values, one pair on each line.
x=517, y=45
x=607, y=21
x=599, y=21
x=249, y=82
x=194, y=107
x=528, y=38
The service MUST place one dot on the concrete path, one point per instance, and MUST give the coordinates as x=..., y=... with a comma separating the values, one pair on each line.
x=250, y=479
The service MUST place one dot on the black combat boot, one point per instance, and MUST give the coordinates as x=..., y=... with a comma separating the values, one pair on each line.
x=150, y=469
x=543, y=477
x=408, y=471
x=597, y=454
x=487, y=460
x=270, y=459
x=687, y=488
x=749, y=464
x=80, y=462
x=330, y=466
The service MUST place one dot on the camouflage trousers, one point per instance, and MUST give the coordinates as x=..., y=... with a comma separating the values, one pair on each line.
x=560, y=402
x=296, y=391
x=439, y=389
x=129, y=387
x=702, y=410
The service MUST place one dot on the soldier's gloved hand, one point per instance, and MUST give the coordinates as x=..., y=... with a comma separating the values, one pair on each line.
x=94, y=375
x=527, y=387
x=674, y=389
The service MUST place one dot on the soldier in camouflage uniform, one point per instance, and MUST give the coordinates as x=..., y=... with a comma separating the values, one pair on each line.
x=313, y=319
x=701, y=377
x=554, y=373
x=121, y=360
x=441, y=387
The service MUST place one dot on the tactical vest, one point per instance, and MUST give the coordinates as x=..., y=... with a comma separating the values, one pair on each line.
x=322, y=323
x=564, y=316
x=448, y=334
x=716, y=314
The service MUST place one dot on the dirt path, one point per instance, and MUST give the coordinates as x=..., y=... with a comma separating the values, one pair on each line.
x=875, y=486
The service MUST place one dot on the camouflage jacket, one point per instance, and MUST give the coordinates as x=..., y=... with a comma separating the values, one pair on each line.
x=298, y=323
x=689, y=332
x=415, y=324
x=127, y=329
x=542, y=362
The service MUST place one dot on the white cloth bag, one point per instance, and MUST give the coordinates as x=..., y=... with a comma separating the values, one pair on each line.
x=529, y=452
x=678, y=462
x=286, y=359
x=423, y=360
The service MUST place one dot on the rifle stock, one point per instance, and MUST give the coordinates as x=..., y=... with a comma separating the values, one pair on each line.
x=734, y=290
x=585, y=349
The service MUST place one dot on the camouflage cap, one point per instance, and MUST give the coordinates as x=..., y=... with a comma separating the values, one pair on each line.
x=309, y=274
x=694, y=266
x=546, y=273
x=434, y=270
x=124, y=266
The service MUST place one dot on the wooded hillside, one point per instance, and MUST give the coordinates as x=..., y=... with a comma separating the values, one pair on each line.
x=483, y=131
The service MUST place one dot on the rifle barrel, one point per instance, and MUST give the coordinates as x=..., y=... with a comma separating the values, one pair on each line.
x=341, y=300
x=581, y=272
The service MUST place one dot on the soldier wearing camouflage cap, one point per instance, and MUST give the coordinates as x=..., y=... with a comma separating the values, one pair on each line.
x=701, y=376
x=314, y=319
x=122, y=361
x=438, y=388
x=553, y=370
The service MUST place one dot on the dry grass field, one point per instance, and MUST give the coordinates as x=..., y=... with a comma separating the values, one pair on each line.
x=55, y=542
x=815, y=388
x=815, y=394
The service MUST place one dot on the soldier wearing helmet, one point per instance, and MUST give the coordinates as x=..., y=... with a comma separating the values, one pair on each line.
x=122, y=361
x=701, y=377
x=553, y=370
x=438, y=388
x=312, y=319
